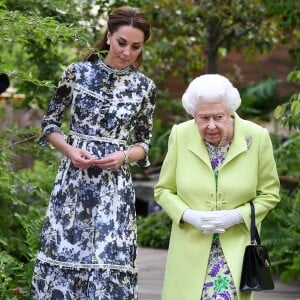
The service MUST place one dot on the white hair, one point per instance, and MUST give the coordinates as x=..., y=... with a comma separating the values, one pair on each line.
x=211, y=88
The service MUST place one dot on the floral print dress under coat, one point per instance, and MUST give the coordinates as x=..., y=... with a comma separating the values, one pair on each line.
x=218, y=284
x=88, y=242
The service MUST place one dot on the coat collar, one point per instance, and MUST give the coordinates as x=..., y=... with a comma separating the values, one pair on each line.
x=239, y=143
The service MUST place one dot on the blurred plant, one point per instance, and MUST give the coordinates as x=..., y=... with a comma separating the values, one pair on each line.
x=168, y=112
x=289, y=113
x=260, y=98
x=287, y=156
x=281, y=228
x=154, y=230
x=39, y=38
x=281, y=234
x=24, y=194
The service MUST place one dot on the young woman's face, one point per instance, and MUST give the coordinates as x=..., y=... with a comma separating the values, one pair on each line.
x=125, y=46
x=213, y=121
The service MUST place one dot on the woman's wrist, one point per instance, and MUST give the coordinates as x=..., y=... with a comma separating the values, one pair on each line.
x=126, y=158
x=133, y=153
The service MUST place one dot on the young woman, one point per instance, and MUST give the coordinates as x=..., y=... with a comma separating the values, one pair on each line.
x=88, y=242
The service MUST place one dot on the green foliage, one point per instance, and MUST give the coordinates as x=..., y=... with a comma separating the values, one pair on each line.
x=289, y=113
x=39, y=38
x=187, y=35
x=160, y=142
x=24, y=195
x=167, y=113
x=9, y=270
x=281, y=234
x=287, y=155
x=259, y=98
x=287, y=15
x=154, y=230
x=288, y=12
x=16, y=265
x=281, y=228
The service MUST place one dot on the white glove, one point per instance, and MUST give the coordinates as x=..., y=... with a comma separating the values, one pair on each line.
x=204, y=221
x=228, y=217
x=232, y=217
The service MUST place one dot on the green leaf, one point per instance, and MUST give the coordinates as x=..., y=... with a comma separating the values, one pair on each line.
x=295, y=108
x=279, y=111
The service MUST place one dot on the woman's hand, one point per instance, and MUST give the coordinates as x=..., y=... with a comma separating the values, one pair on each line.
x=228, y=217
x=203, y=221
x=80, y=158
x=220, y=220
x=113, y=161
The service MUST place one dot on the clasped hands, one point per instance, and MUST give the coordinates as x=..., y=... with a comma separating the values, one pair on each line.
x=83, y=159
x=212, y=221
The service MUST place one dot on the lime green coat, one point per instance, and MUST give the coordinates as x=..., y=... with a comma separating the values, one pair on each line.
x=187, y=181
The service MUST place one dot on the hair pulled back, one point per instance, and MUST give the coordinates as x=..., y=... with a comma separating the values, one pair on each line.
x=122, y=16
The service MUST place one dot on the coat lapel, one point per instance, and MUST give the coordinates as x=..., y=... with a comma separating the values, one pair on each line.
x=197, y=146
x=239, y=143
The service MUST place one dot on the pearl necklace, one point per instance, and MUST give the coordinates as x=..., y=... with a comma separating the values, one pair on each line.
x=225, y=136
x=222, y=143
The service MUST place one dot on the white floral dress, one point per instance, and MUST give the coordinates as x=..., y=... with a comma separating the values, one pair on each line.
x=88, y=242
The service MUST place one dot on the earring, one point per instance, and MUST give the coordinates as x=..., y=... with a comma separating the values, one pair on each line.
x=108, y=42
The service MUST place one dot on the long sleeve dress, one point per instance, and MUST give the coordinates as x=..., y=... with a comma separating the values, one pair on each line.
x=88, y=242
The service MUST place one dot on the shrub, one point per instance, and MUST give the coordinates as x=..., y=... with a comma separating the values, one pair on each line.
x=24, y=195
x=154, y=230
x=281, y=234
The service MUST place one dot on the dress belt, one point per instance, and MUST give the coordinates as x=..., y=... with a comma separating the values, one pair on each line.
x=97, y=138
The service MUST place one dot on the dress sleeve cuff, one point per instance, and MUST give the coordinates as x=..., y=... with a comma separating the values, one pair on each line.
x=145, y=162
x=43, y=140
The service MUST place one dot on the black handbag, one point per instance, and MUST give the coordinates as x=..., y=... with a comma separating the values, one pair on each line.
x=256, y=272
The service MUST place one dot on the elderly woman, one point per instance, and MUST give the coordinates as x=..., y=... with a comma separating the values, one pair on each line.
x=216, y=163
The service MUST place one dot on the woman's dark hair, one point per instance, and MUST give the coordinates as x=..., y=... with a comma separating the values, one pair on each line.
x=122, y=16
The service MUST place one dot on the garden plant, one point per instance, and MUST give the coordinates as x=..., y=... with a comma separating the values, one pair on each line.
x=39, y=40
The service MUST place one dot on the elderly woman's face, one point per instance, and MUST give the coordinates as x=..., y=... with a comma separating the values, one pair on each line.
x=213, y=121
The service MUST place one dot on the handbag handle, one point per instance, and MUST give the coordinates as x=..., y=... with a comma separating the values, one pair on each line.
x=255, y=239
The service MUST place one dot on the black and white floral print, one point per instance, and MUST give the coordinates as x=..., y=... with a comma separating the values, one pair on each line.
x=88, y=242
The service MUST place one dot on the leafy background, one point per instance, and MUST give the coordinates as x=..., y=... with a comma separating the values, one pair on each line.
x=39, y=38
